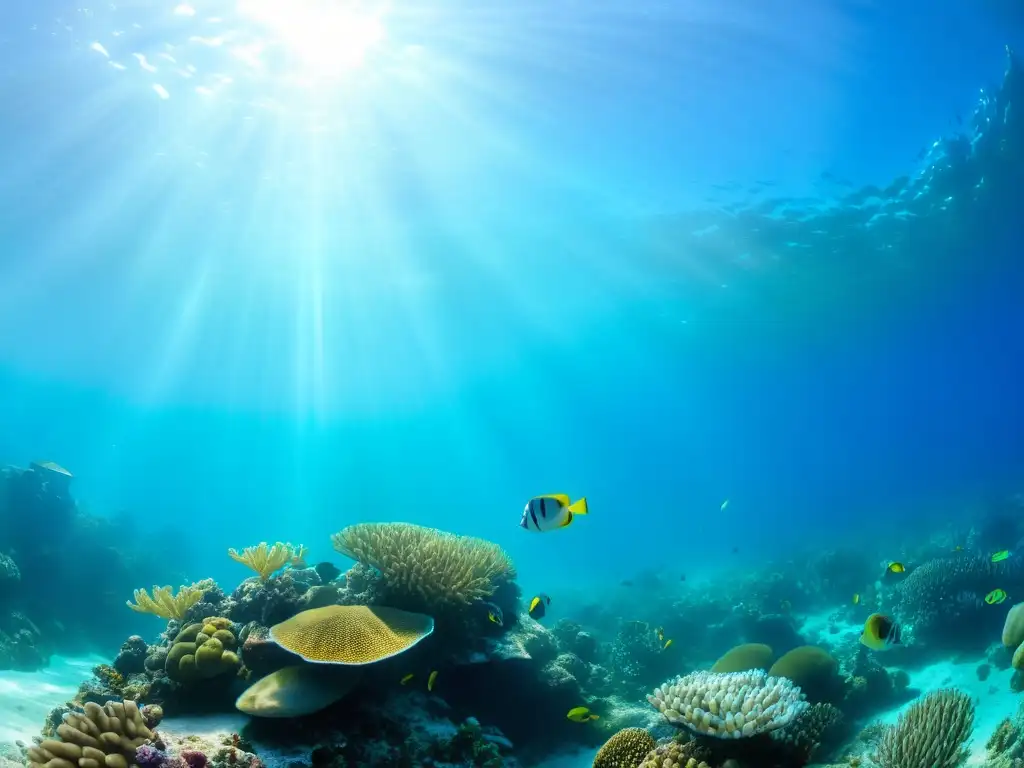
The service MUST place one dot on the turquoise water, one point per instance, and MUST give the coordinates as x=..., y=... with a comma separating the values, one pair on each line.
x=260, y=280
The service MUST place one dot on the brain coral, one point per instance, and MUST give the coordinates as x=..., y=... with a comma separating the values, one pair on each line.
x=729, y=705
x=813, y=669
x=931, y=734
x=425, y=569
x=626, y=749
x=744, y=657
x=351, y=634
x=202, y=651
x=99, y=737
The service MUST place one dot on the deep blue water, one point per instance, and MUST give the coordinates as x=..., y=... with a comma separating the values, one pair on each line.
x=444, y=300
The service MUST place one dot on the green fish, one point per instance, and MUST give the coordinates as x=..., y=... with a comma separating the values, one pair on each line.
x=1001, y=555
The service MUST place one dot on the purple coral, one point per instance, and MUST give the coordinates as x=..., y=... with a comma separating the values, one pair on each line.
x=148, y=756
x=193, y=758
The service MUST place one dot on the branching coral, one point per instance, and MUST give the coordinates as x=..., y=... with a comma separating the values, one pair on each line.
x=424, y=568
x=931, y=734
x=167, y=605
x=729, y=705
x=264, y=559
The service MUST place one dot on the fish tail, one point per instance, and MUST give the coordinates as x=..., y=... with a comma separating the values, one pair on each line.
x=579, y=507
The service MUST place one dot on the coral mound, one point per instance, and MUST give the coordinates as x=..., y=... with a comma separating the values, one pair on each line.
x=931, y=734
x=101, y=737
x=626, y=749
x=351, y=634
x=202, y=651
x=424, y=568
x=744, y=657
x=675, y=754
x=729, y=705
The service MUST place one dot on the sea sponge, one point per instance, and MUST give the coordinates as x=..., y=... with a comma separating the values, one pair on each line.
x=167, y=605
x=98, y=737
x=201, y=651
x=744, y=657
x=425, y=569
x=264, y=559
x=626, y=749
x=351, y=634
x=676, y=754
x=813, y=669
x=1013, y=627
x=931, y=734
x=729, y=705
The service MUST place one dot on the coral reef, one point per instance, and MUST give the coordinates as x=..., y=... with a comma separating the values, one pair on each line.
x=626, y=749
x=931, y=734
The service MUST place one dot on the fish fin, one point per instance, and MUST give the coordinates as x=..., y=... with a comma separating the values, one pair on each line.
x=568, y=519
x=561, y=498
x=872, y=643
x=580, y=507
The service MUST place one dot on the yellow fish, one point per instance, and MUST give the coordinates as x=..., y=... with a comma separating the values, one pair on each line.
x=551, y=512
x=493, y=618
x=880, y=632
x=431, y=680
x=1001, y=555
x=995, y=597
x=405, y=680
x=581, y=715
x=539, y=606
x=667, y=644
x=856, y=598
x=958, y=548
x=896, y=568
x=661, y=634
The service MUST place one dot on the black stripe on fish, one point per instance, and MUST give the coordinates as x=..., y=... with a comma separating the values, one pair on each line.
x=533, y=514
x=543, y=508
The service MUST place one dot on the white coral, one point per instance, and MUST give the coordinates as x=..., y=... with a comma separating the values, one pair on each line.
x=731, y=705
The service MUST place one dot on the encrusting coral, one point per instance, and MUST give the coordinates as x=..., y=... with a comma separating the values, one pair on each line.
x=729, y=705
x=424, y=568
x=351, y=634
x=266, y=559
x=99, y=737
x=626, y=749
x=931, y=734
x=675, y=754
x=167, y=605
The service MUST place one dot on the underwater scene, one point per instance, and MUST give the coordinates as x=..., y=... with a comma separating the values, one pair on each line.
x=625, y=384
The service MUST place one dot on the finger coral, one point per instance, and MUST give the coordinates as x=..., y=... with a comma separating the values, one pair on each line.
x=265, y=559
x=626, y=749
x=99, y=737
x=167, y=605
x=202, y=651
x=931, y=734
x=424, y=568
x=729, y=705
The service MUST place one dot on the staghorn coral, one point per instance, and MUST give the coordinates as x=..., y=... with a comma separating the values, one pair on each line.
x=99, y=737
x=676, y=754
x=729, y=705
x=351, y=634
x=424, y=568
x=931, y=734
x=167, y=605
x=625, y=749
x=264, y=559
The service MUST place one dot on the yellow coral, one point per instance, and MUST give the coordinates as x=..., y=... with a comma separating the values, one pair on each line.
x=676, y=754
x=167, y=605
x=99, y=736
x=424, y=568
x=626, y=749
x=264, y=559
x=351, y=634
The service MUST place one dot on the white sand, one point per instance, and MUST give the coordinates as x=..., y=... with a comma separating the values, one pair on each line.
x=27, y=697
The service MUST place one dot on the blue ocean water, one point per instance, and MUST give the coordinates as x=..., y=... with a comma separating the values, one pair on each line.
x=261, y=280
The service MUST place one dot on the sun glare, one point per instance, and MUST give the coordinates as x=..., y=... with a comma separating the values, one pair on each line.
x=327, y=39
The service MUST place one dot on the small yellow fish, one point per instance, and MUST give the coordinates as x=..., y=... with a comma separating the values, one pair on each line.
x=995, y=597
x=581, y=715
x=896, y=568
x=494, y=619
x=1001, y=555
x=661, y=634
x=958, y=548
x=551, y=512
x=724, y=505
x=881, y=632
x=431, y=680
x=405, y=680
x=856, y=598
x=667, y=644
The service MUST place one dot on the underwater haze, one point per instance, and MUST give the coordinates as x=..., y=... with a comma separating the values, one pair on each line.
x=272, y=269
